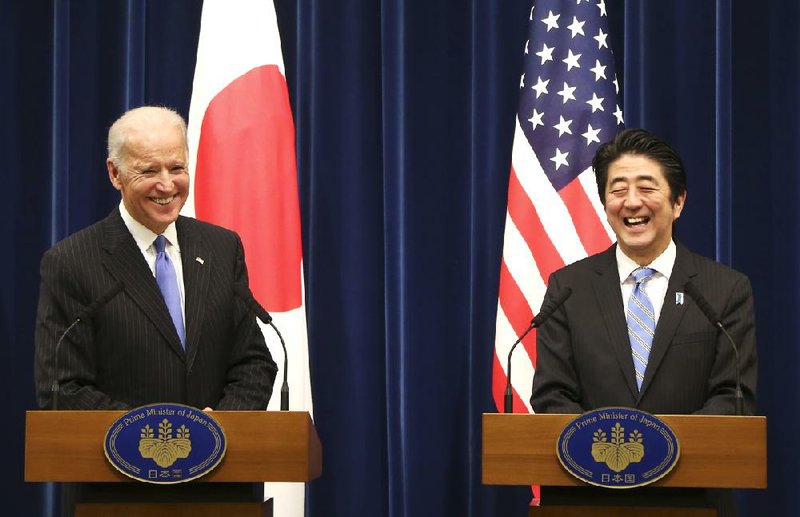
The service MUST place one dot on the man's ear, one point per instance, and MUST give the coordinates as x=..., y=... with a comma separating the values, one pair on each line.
x=677, y=206
x=113, y=174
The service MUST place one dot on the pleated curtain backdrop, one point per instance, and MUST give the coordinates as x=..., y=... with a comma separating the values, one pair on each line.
x=404, y=115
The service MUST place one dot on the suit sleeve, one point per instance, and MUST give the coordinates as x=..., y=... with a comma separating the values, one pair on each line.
x=555, y=384
x=738, y=316
x=72, y=365
x=251, y=371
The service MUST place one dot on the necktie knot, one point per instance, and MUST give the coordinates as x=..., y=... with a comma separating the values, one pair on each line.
x=160, y=243
x=643, y=274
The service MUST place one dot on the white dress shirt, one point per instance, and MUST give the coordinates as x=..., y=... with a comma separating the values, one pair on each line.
x=144, y=238
x=656, y=287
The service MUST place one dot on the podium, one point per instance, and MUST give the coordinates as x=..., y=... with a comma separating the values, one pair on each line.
x=715, y=452
x=67, y=446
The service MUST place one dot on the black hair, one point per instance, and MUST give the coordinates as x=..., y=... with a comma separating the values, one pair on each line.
x=640, y=142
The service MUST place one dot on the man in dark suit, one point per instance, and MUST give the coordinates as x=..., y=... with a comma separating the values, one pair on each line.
x=182, y=337
x=630, y=335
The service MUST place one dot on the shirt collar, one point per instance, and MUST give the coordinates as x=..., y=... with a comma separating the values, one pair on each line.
x=143, y=236
x=663, y=264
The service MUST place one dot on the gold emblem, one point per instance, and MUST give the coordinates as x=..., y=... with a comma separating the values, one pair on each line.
x=617, y=454
x=165, y=449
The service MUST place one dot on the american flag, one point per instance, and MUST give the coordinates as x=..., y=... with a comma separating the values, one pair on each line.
x=567, y=106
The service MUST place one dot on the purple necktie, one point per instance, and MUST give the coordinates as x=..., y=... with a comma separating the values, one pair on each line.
x=167, y=281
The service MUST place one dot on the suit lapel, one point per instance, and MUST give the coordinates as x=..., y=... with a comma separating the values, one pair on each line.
x=195, y=258
x=125, y=262
x=671, y=314
x=609, y=297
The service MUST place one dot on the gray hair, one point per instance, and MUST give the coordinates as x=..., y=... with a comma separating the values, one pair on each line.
x=119, y=132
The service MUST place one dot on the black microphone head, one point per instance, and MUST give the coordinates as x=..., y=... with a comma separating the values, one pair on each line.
x=563, y=295
x=549, y=308
x=115, y=290
x=106, y=297
x=692, y=290
x=243, y=292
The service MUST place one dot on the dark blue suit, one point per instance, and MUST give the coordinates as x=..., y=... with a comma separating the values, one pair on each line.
x=129, y=353
x=584, y=357
x=584, y=360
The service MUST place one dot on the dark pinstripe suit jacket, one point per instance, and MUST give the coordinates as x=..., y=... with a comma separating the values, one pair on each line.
x=129, y=353
x=583, y=353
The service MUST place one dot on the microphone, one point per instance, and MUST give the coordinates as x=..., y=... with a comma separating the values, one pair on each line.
x=715, y=320
x=85, y=314
x=545, y=312
x=243, y=292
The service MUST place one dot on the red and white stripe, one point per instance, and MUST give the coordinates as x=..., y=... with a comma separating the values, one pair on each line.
x=545, y=230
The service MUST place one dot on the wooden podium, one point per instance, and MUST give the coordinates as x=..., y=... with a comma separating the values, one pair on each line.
x=715, y=452
x=67, y=446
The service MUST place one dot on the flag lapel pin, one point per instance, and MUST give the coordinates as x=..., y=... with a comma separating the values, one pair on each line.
x=199, y=260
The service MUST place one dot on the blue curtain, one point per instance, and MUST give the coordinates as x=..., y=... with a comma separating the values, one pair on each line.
x=69, y=70
x=720, y=81
x=404, y=113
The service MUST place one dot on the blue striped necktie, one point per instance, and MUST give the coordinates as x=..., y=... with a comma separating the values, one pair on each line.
x=167, y=281
x=641, y=322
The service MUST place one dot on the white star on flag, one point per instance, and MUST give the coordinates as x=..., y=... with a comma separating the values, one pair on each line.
x=567, y=92
x=536, y=119
x=601, y=39
x=546, y=53
x=576, y=27
x=591, y=134
x=540, y=87
x=598, y=70
x=551, y=21
x=571, y=60
x=595, y=102
x=563, y=126
x=560, y=158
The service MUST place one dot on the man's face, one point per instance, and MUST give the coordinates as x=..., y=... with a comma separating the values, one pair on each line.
x=639, y=207
x=153, y=176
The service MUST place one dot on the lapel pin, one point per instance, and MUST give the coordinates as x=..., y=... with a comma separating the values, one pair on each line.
x=201, y=261
x=678, y=298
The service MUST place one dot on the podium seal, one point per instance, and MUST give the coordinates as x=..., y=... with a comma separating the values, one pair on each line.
x=618, y=448
x=165, y=443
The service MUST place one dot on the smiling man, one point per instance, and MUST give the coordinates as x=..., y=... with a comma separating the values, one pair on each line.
x=172, y=328
x=641, y=206
x=147, y=162
x=630, y=334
